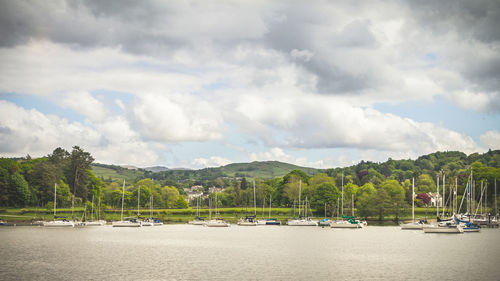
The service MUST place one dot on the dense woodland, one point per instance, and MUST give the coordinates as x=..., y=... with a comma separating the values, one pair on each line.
x=378, y=189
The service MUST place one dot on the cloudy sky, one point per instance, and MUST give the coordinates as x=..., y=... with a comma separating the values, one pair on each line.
x=206, y=83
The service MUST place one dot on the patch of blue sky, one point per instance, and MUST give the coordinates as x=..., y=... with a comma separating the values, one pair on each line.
x=43, y=105
x=216, y=85
x=109, y=98
x=172, y=68
x=430, y=57
x=444, y=113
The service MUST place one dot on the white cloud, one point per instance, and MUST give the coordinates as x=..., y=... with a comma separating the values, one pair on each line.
x=85, y=104
x=175, y=118
x=214, y=161
x=491, y=139
x=30, y=131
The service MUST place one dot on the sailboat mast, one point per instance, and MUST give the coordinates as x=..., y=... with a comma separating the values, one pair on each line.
x=92, y=210
x=123, y=197
x=337, y=208
x=413, y=199
x=138, y=199
x=300, y=191
x=342, y=205
x=270, y=198
x=254, y=201
x=444, y=192
x=352, y=204
x=496, y=210
x=55, y=199
x=437, y=197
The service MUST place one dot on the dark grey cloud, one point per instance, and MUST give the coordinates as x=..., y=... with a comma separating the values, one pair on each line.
x=477, y=19
x=331, y=32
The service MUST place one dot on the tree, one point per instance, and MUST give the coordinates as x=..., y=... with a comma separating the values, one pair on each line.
x=325, y=193
x=77, y=171
x=365, y=200
x=424, y=183
x=19, y=191
x=170, y=195
x=181, y=203
x=395, y=196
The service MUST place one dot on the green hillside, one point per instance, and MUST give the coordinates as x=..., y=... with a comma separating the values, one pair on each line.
x=265, y=169
x=113, y=173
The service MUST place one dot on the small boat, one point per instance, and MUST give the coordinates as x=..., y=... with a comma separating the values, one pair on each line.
x=129, y=223
x=198, y=220
x=345, y=224
x=250, y=220
x=413, y=225
x=157, y=222
x=302, y=222
x=92, y=221
x=452, y=228
x=270, y=221
x=125, y=223
x=57, y=223
x=324, y=222
x=96, y=223
x=247, y=221
x=217, y=223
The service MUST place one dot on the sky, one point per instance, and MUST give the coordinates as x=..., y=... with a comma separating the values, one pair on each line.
x=197, y=84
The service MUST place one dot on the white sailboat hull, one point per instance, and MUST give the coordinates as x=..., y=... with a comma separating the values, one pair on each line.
x=58, y=224
x=345, y=224
x=302, y=223
x=217, y=223
x=247, y=223
x=438, y=229
x=96, y=223
x=126, y=224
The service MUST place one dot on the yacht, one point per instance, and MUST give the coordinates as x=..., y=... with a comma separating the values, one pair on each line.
x=124, y=223
x=57, y=223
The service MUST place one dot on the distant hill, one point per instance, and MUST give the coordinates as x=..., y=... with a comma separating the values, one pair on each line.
x=264, y=169
x=115, y=173
x=156, y=169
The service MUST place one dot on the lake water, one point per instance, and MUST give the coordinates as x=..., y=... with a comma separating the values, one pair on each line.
x=187, y=252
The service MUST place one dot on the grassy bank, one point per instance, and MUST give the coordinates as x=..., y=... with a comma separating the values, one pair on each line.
x=178, y=215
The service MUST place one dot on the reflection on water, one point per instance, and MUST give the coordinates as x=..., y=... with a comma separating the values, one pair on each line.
x=186, y=252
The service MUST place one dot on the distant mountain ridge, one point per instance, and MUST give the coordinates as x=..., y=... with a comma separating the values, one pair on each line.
x=400, y=169
x=263, y=169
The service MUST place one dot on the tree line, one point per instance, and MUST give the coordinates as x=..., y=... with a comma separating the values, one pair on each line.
x=377, y=189
x=30, y=182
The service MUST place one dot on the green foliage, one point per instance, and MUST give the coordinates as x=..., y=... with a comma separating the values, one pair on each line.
x=181, y=203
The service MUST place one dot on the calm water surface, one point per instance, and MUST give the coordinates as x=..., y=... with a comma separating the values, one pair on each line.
x=186, y=252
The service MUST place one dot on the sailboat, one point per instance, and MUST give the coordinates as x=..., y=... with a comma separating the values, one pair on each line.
x=217, y=222
x=57, y=223
x=250, y=220
x=269, y=220
x=443, y=226
x=123, y=223
x=93, y=222
x=413, y=224
x=306, y=220
x=198, y=220
x=347, y=221
x=156, y=221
